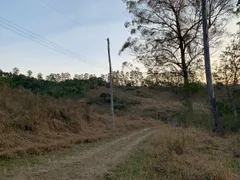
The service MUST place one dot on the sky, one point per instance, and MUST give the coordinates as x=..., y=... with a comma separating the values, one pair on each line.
x=97, y=20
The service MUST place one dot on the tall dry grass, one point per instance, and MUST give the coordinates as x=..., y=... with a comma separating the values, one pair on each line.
x=31, y=123
x=191, y=154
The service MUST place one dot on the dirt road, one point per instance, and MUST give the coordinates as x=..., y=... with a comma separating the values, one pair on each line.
x=89, y=164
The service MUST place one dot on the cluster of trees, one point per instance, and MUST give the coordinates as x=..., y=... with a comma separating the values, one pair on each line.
x=56, y=85
x=64, y=85
x=167, y=36
x=227, y=73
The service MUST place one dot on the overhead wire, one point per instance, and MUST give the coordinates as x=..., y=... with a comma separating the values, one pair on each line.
x=73, y=20
x=45, y=42
x=69, y=18
x=65, y=15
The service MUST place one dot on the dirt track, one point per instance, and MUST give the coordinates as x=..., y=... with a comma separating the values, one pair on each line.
x=88, y=164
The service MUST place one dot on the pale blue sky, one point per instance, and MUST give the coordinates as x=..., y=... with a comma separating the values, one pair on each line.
x=98, y=19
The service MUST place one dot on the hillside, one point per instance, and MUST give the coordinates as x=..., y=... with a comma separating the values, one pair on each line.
x=33, y=123
x=71, y=119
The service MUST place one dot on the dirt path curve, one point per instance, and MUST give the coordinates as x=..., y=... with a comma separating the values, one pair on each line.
x=89, y=164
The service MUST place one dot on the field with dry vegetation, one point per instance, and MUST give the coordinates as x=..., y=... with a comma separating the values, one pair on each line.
x=32, y=123
x=182, y=146
x=183, y=154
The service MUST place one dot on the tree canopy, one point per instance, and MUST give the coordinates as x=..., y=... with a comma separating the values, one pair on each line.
x=166, y=35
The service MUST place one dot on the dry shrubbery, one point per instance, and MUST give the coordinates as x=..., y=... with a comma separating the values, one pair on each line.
x=190, y=154
x=31, y=123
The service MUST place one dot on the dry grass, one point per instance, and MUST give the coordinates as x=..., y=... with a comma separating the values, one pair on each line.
x=190, y=154
x=32, y=124
x=183, y=154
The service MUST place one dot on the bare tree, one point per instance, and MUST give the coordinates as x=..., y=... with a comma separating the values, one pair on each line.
x=228, y=71
x=40, y=76
x=29, y=73
x=167, y=35
x=16, y=71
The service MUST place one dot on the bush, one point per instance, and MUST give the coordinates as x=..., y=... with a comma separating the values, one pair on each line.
x=196, y=87
x=219, y=85
x=105, y=97
x=120, y=107
x=228, y=124
x=223, y=108
x=198, y=119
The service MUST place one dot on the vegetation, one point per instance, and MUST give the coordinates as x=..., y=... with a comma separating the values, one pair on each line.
x=228, y=73
x=32, y=123
x=40, y=114
x=182, y=154
x=166, y=36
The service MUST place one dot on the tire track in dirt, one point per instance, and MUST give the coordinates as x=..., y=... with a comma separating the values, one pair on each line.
x=89, y=164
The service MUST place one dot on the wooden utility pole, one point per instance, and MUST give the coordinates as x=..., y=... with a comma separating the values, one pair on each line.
x=111, y=84
x=213, y=106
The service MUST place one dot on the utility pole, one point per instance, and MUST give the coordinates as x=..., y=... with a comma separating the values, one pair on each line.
x=213, y=106
x=111, y=85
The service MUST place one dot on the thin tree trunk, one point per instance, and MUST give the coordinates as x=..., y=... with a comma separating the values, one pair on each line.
x=234, y=109
x=232, y=101
x=187, y=90
x=212, y=100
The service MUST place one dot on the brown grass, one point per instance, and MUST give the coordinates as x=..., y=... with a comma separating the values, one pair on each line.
x=190, y=154
x=31, y=123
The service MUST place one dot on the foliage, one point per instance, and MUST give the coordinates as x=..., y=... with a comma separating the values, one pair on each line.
x=105, y=97
x=228, y=124
x=166, y=36
x=224, y=108
x=119, y=104
x=68, y=88
x=120, y=107
x=228, y=71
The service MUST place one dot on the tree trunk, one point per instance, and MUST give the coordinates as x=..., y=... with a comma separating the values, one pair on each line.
x=212, y=100
x=186, y=86
x=234, y=109
x=187, y=92
x=232, y=100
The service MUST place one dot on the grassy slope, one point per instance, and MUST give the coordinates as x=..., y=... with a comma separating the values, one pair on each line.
x=31, y=123
x=183, y=154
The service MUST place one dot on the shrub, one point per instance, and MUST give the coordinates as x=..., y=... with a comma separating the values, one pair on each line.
x=223, y=108
x=105, y=97
x=228, y=124
x=120, y=107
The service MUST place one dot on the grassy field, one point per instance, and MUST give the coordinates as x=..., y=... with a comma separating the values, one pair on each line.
x=183, y=154
x=32, y=124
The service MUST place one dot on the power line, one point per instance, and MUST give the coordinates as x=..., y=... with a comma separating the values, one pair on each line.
x=43, y=41
x=65, y=15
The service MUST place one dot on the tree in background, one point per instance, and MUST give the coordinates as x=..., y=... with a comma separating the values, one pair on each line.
x=166, y=35
x=228, y=72
x=65, y=76
x=16, y=71
x=86, y=76
x=40, y=76
x=51, y=77
x=29, y=73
